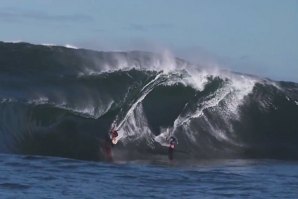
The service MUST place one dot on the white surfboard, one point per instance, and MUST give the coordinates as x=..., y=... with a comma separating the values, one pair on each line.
x=115, y=140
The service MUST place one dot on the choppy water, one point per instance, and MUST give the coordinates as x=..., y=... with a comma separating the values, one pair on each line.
x=50, y=177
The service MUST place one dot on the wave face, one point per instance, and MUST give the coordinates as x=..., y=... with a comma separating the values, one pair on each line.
x=56, y=101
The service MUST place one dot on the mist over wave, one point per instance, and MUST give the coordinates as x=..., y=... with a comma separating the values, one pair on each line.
x=57, y=100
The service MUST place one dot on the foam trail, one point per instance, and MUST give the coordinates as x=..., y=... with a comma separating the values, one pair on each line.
x=232, y=94
x=150, y=86
x=136, y=127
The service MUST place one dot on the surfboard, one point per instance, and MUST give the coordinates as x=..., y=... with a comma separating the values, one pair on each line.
x=115, y=140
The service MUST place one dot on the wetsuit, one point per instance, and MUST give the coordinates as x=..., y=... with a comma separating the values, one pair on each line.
x=108, y=142
x=173, y=141
x=109, y=138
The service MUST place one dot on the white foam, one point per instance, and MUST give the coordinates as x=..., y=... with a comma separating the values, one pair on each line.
x=168, y=62
x=149, y=88
x=4, y=100
x=296, y=103
x=16, y=41
x=136, y=127
x=40, y=100
x=241, y=86
x=71, y=46
x=165, y=63
x=217, y=133
x=161, y=138
x=198, y=80
x=232, y=95
x=49, y=44
x=67, y=45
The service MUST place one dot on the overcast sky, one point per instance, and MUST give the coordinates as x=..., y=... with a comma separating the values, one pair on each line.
x=252, y=36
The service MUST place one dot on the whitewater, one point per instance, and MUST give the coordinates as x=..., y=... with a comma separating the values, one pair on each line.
x=57, y=101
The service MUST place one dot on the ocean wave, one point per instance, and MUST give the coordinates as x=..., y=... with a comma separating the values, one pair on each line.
x=57, y=101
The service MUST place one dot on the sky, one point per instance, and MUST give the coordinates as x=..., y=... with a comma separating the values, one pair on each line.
x=252, y=36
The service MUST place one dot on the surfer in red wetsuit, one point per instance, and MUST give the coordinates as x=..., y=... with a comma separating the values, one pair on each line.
x=113, y=135
x=108, y=142
x=110, y=136
x=172, y=143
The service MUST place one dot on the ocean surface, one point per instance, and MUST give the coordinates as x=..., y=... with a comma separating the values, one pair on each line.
x=237, y=133
x=50, y=177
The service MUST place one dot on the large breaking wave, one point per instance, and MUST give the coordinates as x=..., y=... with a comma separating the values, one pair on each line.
x=56, y=101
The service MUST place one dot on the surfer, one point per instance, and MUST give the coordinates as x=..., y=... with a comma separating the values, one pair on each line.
x=172, y=143
x=113, y=134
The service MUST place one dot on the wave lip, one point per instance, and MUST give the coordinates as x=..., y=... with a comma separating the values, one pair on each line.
x=67, y=45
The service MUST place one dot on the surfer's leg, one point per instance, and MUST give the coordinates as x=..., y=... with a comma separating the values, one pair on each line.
x=170, y=154
x=109, y=153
